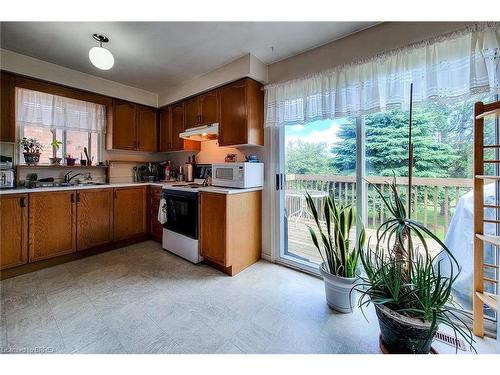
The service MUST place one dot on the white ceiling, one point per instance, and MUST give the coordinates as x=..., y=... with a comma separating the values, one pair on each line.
x=157, y=55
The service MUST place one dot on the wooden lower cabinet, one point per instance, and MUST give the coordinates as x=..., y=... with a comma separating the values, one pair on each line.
x=13, y=230
x=231, y=229
x=52, y=224
x=155, y=228
x=130, y=212
x=94, y=222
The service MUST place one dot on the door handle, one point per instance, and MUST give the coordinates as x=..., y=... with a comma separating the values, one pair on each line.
x=281, y=182
x=72, y=197
x=22, y=202
x=78, y=197
x=277, y=181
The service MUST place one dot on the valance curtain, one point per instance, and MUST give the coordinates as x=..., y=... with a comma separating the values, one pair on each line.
x=449, y=67
x=34, y=108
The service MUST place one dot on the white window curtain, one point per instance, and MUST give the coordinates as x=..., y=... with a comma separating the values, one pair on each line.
x=34, y=108
x=452, y=66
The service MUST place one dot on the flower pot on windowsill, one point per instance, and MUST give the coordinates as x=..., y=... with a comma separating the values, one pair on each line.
x=31, y=158
x=55, y=161
x=70, y=161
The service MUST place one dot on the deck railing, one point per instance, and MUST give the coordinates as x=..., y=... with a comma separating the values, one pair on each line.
x=433, y=199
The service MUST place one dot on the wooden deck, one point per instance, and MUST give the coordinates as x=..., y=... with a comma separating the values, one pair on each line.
x=300, y=243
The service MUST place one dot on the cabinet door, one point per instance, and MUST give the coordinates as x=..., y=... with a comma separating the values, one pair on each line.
x=52, y=229
x=177, y=126
x=209, y=108
x=7, y=127
x=94, y=218
x=156, y=229
x=233, y=114
x=130, y=213
x=191, y=112
x=165, y=130
x=13, y=230
x=213, y=228
x=147, y=129
x=124, y=126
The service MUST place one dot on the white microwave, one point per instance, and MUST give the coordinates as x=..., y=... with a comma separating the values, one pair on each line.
x=238, y=175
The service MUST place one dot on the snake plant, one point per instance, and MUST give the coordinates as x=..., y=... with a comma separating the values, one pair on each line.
x=338, y=257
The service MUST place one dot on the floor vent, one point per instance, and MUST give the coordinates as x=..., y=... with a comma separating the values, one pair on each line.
x=450, y=340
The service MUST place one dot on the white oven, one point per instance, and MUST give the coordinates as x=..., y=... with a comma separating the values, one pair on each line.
x=238, y=175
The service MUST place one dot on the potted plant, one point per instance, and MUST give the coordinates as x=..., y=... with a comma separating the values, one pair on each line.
x=339, y=267
x=54, y=160
x=32, y=148
x=70, y=161
x=410, y=291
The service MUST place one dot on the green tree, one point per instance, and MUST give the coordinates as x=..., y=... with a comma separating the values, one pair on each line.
x=308, y=158
x=387, y=146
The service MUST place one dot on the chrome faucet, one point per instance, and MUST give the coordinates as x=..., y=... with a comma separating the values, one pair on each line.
x=67, y=177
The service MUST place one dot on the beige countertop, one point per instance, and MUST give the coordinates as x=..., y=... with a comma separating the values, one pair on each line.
x=212, y=189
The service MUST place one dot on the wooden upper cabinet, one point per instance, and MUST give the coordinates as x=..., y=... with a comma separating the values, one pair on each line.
x=209, y=108
x=192, y=112
x=241, y=113
x=165, y=143
x=52, y=224
x=147, y=129
x=13, y=230
x=94, y=223
x=177, y=126
x=130, y=212
x=7, y=111
x=124, y=126
x=213, y=221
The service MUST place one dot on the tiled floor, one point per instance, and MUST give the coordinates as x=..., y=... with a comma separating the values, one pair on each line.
x=141, y=299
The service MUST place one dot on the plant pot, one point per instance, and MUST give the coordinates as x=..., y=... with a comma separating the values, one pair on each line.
x=70, y=161
x=55, y=161
x=404, y=335
x=339, y=292
x=31, y=158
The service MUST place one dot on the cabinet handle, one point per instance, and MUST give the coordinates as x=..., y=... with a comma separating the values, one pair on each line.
x=115, y=193
x=78, y=197
x=22, y=202
x=72, y=197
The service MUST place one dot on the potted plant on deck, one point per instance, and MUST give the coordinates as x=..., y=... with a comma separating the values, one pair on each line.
x=339, y=267
x=54, y=160
x=410, y=291
x=31, y=150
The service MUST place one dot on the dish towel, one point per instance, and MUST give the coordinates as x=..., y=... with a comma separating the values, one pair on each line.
x=162, y=211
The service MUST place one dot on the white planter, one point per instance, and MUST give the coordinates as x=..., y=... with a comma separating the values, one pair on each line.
x=338, y=291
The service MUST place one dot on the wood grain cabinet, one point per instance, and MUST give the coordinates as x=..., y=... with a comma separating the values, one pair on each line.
x=52, y=224
x=155, y=228
x=171, y=125
x=13, y=230
x=130, y=212
x=7, y=123
x=192, y=116
x=132, y=127
x=201, y=110
x=231, y=230
x=94, y=218
x=241, y=113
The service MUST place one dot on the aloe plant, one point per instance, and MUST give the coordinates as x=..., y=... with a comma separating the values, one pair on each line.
x=335, y=251
x=406, y=280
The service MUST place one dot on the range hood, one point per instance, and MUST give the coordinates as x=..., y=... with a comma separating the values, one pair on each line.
x=201, y=133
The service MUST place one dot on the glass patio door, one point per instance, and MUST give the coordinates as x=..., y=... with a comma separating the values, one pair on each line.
x=309, y=162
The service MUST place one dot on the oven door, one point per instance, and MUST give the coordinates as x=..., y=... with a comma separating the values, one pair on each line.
x=182, y=212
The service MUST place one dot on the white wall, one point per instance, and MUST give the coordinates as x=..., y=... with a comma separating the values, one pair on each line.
x=245, y=66
x=29, y=66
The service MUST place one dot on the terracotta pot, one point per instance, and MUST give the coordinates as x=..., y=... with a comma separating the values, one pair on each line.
x=404, y=335
x=31, y=158
x=339, y=292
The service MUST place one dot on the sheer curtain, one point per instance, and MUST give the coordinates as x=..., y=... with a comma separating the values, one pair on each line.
x=34, y=108
x=452, y=66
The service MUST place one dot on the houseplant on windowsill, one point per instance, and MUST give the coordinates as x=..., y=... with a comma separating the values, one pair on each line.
x=31, y=150
x=54, y=160
x=339, y=267
x=410, y=291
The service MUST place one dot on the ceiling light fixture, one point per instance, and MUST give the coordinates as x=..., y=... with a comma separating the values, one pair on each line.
x=100, y=57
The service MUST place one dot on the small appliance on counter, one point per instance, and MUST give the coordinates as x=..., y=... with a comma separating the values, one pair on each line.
x=240, y=175
x=7, y=175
